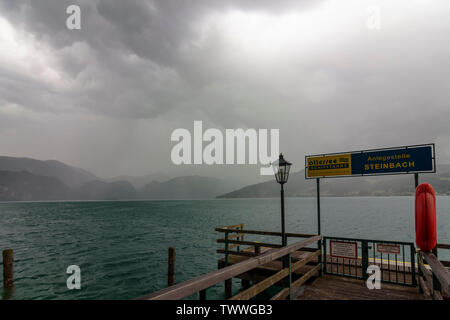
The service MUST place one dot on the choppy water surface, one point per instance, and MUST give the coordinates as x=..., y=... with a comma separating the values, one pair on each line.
x=121, y=247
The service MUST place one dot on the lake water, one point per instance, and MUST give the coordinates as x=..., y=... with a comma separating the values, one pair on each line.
x=121, y=247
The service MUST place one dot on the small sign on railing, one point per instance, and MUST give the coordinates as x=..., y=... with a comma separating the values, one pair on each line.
x=344, y=249
x=388, y=248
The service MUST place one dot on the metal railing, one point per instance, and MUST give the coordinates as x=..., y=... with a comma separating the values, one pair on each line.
x=351, y=258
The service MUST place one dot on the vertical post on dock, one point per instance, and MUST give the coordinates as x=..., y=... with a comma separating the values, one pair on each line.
x=290, y=277
x=319, y=243
x=228, y=282
x=8, y=266
x=226, y=248
x=283, y=228
x=203, y=295
x=228, y=288
x=365, y=258
x=171, y=267
x=413, y=266
x=318, y=205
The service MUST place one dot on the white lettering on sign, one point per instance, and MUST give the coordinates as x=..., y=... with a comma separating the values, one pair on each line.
x=343, y=249
x=388, y=248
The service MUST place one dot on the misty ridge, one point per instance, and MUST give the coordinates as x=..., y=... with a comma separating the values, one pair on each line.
x=25, y=179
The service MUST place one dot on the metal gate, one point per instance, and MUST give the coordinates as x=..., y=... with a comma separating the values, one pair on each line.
x=350, y=257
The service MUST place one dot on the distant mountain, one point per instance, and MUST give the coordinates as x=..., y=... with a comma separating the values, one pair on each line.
x=298, y=186
x=25, y=179
x=140, y=181
x=25, y=186
x=99, y=190
x=70, y=176
x=189, y=187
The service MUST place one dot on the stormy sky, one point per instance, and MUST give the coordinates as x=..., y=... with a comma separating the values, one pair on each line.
x=107, y=97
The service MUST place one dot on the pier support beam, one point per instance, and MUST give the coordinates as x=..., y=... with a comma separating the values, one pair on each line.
x=8, y=266
x=171, y=267
x=203, y=295
x=245, y=283
x=228, y=288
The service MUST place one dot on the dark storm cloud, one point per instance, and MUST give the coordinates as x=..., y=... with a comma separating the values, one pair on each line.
x=130, y=48
x=139, y=69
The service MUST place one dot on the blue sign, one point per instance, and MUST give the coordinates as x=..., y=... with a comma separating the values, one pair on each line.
x=404, y=160
x=409, y=159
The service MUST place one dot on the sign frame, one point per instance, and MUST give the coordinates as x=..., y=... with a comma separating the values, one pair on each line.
x=433, y=158
x=353, y=243
x=385, y=245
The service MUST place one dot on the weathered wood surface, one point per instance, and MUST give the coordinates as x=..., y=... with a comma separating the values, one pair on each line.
x=441, y=273
x=239, y=235
x=265, y=233
x=8, y=267
x=251, y=243
x=270, y=281
x=238, y=253
x=272, y=266
x=190, y=287
x=425, y=289
x=443, y=246
x=330, y=287
x=235, y=226
x=283, y=294
x=171, y=267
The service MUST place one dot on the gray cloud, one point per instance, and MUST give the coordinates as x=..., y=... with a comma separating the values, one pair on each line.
x=139, y=69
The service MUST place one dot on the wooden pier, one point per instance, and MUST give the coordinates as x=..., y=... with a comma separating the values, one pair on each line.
x=306, y=270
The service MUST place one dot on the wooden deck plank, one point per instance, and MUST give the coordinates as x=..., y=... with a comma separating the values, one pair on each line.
x=339, y=288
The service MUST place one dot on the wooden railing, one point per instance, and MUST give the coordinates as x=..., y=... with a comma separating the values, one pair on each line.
x=188, y=288
x=444, y=246
x=434, y=278
x=239, y=236
x=256, y=248
x=231, y=233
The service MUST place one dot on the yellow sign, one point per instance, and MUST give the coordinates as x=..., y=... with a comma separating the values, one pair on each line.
x=333, y=165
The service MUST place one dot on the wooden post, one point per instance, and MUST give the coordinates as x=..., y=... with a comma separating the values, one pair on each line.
x=245, y=283
x=8, y=263
x=171, y=267
x=228, y=288
x=436, y=284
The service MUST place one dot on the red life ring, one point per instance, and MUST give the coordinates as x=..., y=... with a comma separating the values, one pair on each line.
x=426, y=236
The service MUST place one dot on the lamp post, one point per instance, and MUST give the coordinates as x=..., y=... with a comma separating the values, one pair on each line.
x=281, y=175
